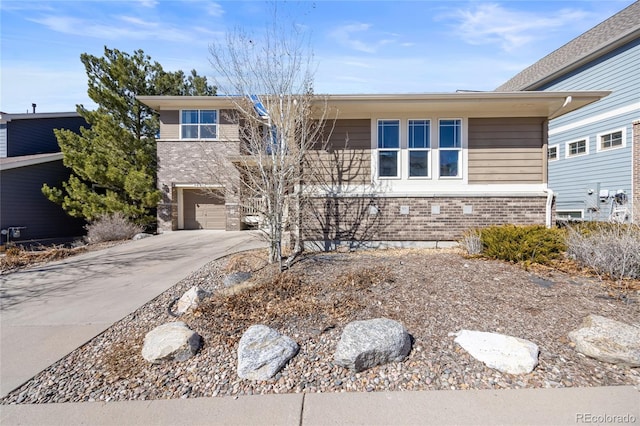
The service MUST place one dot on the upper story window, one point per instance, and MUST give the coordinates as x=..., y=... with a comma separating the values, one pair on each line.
x=388, y=148
x=577, y=148
x=450, y=147
x=419, y=147
x=611, y=140
x=199, y=124
x=552, y=153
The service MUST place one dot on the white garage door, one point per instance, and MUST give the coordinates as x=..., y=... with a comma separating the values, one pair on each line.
x=202, y=210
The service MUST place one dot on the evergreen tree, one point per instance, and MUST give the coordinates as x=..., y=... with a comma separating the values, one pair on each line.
x=114, y=160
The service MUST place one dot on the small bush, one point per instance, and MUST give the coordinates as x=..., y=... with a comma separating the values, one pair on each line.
x=112, y=227
x=522, y=244
x=610, y=249
x=471, y=242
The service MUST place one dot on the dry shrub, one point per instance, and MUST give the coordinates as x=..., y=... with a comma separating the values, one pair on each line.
x=16, y=257
x=288, y=299
x=610, y=249
x=123, y=359
x=471, y=242
x=247, y=262
x=113, y=227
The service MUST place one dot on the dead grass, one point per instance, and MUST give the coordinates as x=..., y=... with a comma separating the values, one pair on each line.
x=16, y=258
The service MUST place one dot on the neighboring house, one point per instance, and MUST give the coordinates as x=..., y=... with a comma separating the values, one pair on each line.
x=593, y=153
x=30, y=157
x=422, y=167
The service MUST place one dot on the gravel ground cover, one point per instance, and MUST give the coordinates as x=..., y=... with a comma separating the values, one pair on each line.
x=431, y=292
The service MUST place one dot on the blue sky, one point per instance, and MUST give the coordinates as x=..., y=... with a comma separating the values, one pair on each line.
x=358, y=46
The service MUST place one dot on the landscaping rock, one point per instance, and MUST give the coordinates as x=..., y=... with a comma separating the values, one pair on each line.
x=236, y=278
x=504, y=353
x=173, y=341
x=141, y=236
x=190, y=300
x=365, y=344
x=608, y=340
x=262, y=352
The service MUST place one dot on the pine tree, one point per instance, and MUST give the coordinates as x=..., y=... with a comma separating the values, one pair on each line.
x=114, y=160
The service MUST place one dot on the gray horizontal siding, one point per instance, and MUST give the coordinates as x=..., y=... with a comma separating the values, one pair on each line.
x=35, y=136
x=23, y=204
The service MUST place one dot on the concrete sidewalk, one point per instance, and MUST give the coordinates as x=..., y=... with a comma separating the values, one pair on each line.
x=568, y=406
x=48, y=311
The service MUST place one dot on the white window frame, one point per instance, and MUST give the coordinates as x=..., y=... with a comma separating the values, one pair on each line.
x=560, y=216
x=216, y=124
x=567, y=149
x=460, y=150
x=397, y=150
x=557, y=148
x=600, y=148
x=427, y=150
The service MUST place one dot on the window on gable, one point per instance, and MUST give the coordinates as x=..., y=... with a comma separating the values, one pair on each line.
x=611, y=140
x=577, y=148
x=419, y=148
x=199, y=124
x=552, y=153
x=450, y=147
x=388, y=148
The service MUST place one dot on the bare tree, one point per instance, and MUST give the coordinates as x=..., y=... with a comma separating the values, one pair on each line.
x=269, y=80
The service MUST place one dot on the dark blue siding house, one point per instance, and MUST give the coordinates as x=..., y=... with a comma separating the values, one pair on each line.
x=30, y=157
x=592, y=157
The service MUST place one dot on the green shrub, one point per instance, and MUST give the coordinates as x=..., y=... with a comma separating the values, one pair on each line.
x=522, y=244
x=112, y=227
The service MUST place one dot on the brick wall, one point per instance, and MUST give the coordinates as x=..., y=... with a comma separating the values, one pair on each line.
x=415, y=219
x=196, y=163
x=636, y=172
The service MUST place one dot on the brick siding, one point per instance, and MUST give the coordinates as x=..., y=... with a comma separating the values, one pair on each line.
x=192, y=163
x=387, y=219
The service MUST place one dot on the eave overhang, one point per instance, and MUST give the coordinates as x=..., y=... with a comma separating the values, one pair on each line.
x=462, y=104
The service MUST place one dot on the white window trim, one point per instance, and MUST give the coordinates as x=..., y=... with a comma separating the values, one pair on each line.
x=399, y=150
x=581, y=211
x=567, y=149
x=217, y=124
x=427, y=150
x=599, y=147
x=403, y=182
x=463, y=150
x=557, y=147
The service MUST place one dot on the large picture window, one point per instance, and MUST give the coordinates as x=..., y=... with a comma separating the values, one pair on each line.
x=388, y=148
x=199, y=124
x=450, y=147
x=419, y=148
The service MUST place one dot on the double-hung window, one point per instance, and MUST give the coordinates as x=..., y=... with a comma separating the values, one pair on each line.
x=199, y=124
x=388, y=148
x=450, y=147
x=419, y=148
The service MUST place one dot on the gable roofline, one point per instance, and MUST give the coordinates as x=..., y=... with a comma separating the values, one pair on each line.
x=5, y=117
x=616, y=31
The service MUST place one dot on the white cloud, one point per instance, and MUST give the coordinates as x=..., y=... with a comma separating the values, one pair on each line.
x=148, y=3
x=215, y=9
x=345, y=36
x=491, y=23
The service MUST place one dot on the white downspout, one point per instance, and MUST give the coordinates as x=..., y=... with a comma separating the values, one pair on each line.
x=548, y=209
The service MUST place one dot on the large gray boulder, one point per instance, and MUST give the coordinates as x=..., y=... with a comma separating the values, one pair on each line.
x=504, y=353
x=236, y=278
x=365, y=344
x=173, y=341
x=608, y=340
x=262, y=352
x=190, y=300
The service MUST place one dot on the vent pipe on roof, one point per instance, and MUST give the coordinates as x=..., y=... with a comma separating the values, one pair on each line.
x=34, y=108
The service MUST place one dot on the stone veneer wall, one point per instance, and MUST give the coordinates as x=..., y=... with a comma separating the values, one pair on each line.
x=636, y=172
x=192, y=163
x=438, y=218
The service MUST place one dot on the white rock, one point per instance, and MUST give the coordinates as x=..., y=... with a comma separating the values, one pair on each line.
x=504, y=353
x=262, y=352
x=190, y=300
x=608, y=341
x=141, y=236
x=171, y=341
x=365, y=344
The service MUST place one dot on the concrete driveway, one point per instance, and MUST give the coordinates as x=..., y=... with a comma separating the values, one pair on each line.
x=48, y=311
